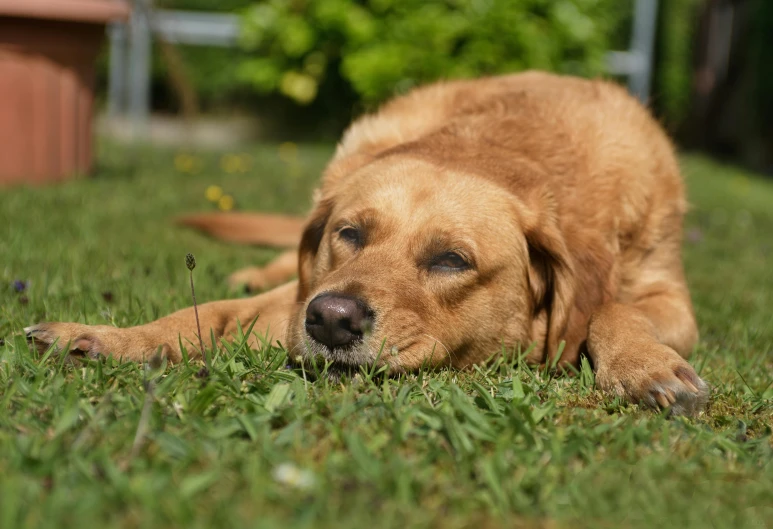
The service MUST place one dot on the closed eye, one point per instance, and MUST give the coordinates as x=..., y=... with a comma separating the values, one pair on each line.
x=350, y=235
x=449, y=262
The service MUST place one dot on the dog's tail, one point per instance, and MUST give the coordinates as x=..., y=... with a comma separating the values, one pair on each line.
x=249, y=228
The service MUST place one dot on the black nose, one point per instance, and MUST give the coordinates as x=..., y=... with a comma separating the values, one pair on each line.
x=337, y=320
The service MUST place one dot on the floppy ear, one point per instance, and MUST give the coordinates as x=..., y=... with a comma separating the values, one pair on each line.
x=309, y=246
x=552, y=281
x=568, y=279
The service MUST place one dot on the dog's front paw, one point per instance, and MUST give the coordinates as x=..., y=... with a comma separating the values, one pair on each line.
x=72, y=337
x=92, y=341
x=658, y=378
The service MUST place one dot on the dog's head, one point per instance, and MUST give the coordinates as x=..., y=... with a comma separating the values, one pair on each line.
x=407, y=263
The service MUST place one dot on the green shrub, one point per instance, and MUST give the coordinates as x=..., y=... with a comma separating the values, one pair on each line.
x=212, y=71
x=760, y=46
x=678, y=24
x=379, y=47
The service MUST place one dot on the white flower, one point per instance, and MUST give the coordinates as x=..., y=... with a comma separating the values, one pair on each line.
x=290, y=475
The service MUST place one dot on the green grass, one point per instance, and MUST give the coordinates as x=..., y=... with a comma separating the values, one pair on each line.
x=498, y=446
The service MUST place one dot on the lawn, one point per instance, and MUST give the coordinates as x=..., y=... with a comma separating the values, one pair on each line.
x=102, y=444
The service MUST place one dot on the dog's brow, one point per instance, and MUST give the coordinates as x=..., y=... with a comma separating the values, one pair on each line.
x=443, y=241
x=368, y=218
x=365, y=219
x=373, y=224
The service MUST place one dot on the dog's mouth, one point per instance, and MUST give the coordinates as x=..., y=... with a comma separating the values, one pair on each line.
x=337, y=364
x=337, y=372
x=333, y=371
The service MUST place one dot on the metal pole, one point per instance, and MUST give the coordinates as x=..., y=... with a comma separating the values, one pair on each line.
x=642, y=47
x=116, y=87
x=139, y=71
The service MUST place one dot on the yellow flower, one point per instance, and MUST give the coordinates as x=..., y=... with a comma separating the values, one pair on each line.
x=229, y=163
x=226, y=203
x=235, y=163
x=288, y=152
x=300, y=87
x=245, y=162
x=315, y=64
x=185, y=163
x=295, y=171
x=213, y=193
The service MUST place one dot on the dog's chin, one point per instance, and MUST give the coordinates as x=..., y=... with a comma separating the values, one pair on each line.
x=337, y=372
x=337, y=364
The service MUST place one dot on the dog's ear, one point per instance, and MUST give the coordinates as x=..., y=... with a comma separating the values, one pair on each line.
x=309, y=246
x=568, y=279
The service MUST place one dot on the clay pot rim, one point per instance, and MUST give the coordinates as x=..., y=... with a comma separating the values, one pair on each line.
x=89, y=11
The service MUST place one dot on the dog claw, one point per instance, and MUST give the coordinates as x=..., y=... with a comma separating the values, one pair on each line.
x=662, y=400
x=690, y=386
x=688, y=399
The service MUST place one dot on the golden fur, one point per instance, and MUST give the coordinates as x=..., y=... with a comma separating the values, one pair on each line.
x=564, y=199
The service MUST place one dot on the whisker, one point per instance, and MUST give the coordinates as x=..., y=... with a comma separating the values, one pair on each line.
x=448, y=351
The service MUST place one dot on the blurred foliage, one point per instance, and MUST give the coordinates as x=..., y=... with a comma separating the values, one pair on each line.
x=678, y=24
x=212, y=71
x=761, y=44
x=202, y=5
x=733, y=114
x=379, y=47
x=306, y=67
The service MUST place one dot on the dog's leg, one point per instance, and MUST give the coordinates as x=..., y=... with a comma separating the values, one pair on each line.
x=274, y=273
x=639, y=349
x=273, y=310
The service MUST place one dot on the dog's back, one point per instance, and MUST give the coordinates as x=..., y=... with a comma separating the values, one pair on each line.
x=572, y=128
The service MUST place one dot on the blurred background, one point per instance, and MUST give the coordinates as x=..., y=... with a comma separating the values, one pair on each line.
x=310, y=66
x=223, y=72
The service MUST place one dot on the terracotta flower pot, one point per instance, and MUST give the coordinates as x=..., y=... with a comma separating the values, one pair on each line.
x=47, y=54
